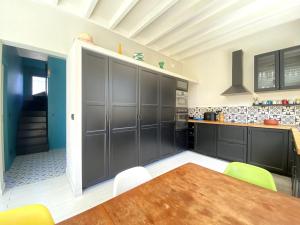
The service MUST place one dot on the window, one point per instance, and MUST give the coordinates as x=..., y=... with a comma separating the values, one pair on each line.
x=39, y=85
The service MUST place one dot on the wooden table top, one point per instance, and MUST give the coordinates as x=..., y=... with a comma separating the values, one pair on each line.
x=194, y=195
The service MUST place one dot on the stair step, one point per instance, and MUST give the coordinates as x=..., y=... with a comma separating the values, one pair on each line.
x=32, y=133
x=32, y=126
x=32, y=141
x=34, y=113
x=33, y=119
x=32, y=149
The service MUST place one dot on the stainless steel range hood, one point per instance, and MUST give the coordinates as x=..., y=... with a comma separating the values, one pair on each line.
x=237, y=75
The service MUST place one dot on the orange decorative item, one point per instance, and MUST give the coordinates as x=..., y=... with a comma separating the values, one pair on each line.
x=271, y=122
x=85, y=37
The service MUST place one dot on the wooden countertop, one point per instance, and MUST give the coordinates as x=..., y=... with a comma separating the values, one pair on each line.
x=194, y=195
x=295, y=131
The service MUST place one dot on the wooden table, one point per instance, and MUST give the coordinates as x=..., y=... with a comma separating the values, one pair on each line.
x=192, y=194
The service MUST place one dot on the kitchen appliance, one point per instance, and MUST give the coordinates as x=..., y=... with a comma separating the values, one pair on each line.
x=182, y=117
x=237, y=86
x=182, y=85
x=181, y=99
x=210, y=116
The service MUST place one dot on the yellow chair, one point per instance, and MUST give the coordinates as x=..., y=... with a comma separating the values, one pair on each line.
x=27, y=215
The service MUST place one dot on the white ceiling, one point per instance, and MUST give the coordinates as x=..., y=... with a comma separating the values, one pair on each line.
x=181, y=29
x=32, y=54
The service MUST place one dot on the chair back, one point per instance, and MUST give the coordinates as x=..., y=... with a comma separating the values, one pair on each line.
x=251, y=174
x=129, y=179
x=27, y=215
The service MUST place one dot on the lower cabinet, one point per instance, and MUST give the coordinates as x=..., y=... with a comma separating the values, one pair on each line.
x=268, y=148
x=205, y=139
x=263, y=147
x=232, y=151
x=181, y=139
x=123, y=152
x=167, y=137
x=149, y=144
x=232, y=143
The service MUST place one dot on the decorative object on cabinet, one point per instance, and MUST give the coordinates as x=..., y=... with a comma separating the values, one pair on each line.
x=120, y=49
x=138, y=56
x=161, y=64
x=271, y=122
x=86, y=37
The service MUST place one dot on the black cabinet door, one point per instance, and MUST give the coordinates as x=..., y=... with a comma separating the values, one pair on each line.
x=149, y=116
x=94, y=111
x=167, y=115
x=232, y=134
x=266, y=72
x=181, y=139
x=268, y=148
x=290, y=68
x=232, y=151
x=123, y=122
x=206, y=139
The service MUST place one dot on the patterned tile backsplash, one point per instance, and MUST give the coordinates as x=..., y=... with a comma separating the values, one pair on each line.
x=287, y=115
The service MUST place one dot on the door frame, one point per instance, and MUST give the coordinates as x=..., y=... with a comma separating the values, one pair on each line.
x=2, y=165
x=31, y=48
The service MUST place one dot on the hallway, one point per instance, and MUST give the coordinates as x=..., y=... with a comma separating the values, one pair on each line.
x=31, y=168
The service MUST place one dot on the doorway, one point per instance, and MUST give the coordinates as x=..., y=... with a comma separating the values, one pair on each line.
x=34, y=116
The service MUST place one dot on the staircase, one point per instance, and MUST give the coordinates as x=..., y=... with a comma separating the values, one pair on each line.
x=33, y=133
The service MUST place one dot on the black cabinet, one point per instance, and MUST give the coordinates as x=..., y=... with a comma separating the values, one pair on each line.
x=206, y=139
x=290, y=68
x=266, y=72
x=128, y=116
x=181, y=139
x=123, y=137
x=149, y=116
x=232, y=143
x=94, y=112
x=167, y=115
x=277, y=70
x=268, y=148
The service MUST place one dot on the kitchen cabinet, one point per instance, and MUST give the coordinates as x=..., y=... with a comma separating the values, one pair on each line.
x=167, y=115
x=232, y=143
x=290, y=68
x=182, y=139
x=149, y=116
x=266, y=72
x=206, y=139
x=123, y=116
x=94, y=110
x=268, y=148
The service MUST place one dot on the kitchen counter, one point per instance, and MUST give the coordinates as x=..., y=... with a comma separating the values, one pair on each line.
x=295, y=131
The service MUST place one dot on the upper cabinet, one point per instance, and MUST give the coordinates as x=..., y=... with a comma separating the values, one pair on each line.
x=277, y=70
x=266, y=71
x=290, y=68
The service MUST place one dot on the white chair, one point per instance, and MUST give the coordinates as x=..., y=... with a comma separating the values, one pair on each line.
x=129, y=179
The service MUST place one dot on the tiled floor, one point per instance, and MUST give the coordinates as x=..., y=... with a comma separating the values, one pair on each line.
x=56, y=193
x=27, y=169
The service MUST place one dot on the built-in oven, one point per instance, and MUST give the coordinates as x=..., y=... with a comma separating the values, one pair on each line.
x=181, y=99
x=182, y=118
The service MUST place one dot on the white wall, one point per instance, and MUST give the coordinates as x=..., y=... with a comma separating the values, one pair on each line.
x=44, y=27
x=213, y=68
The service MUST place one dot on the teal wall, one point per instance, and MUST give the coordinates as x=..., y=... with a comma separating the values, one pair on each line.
x=57, y=103
x=32, y=67
x=13, y=99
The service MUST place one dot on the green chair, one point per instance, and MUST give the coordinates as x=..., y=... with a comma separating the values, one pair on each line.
x=251, y=174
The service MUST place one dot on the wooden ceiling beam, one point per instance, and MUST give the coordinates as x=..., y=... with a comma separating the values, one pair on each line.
x=152, y=16
x=90, y=6
x=120, y=14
